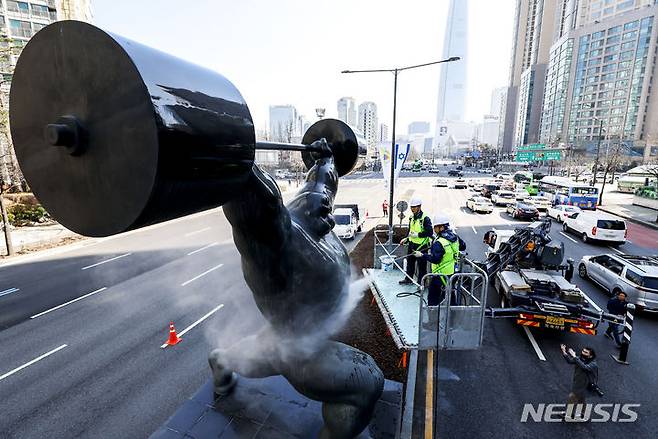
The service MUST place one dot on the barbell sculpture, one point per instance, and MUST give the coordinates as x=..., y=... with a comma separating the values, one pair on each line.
x=112, y=135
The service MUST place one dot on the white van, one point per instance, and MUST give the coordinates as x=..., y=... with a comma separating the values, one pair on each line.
x=597, y=226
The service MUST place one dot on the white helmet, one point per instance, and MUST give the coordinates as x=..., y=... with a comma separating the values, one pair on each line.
x=440, y=219
x=415, y=201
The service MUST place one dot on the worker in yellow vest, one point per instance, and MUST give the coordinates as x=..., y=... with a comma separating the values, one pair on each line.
x=443, y=256
x=419, y=238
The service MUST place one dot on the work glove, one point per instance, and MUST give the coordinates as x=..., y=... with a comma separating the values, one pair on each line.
x=418, y=254
x=404, y=241
x=413, y=235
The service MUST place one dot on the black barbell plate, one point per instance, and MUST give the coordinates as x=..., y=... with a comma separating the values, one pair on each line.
x=164, y=137
x=341, y=140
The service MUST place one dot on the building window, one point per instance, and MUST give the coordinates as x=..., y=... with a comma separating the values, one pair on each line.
x=614, y=30
x=40, y=11
x=20, y=28
x=18, y=7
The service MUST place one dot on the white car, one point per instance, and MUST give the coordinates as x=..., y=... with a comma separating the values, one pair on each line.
x=597, y=226
x=541, y=203
x=521, y=194
x=442, y=182
x=562, y=211
x=479, y=204
x=502, y=198
x=460, y=183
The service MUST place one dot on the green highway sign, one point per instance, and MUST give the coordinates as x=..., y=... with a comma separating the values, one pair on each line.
x=531, y=156
x=531, y=147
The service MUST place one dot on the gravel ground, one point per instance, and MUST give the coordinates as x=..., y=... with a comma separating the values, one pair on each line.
x=366, y=329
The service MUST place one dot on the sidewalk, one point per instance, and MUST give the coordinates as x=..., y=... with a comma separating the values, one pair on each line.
x=29, y=239
x=637, y=214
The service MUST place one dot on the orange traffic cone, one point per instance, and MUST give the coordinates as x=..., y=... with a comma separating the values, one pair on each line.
x=173, y=337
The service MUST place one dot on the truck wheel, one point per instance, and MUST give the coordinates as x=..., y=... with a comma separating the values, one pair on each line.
x=584, y=238
x=582, y=271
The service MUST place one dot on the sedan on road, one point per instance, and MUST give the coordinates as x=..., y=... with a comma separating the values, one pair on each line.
x=441, y=182
x=479, y=204
x=521, y=194
x=502, y=198
x=460, y=183
x=562, y=211
x=520, y=210
x=455, y=173
x=541, y=203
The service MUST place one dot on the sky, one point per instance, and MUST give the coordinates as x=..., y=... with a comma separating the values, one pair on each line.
x=292, y=51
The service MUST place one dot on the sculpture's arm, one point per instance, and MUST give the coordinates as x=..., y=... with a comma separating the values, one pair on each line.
x=257, y=213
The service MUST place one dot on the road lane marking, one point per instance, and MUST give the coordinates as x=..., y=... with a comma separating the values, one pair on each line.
x=429, y=396
x=616, y=250
x=106, y=261
x=186, y=330
x=598, y=308
x=568, y=237
x=68, y=303
x=198, y=231
x=202, y=274
x=29, y=363
x=534, y=344
x=9, y=291
x=202, y=248
x=474, y=231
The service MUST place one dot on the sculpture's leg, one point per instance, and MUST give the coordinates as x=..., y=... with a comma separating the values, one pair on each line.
x=252, y=357
x=346, y=380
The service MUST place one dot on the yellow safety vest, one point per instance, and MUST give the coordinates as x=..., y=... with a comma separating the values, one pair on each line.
x=416, y=225
x=447, y=264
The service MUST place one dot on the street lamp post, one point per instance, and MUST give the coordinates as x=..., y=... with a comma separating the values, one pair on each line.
x=395, y=72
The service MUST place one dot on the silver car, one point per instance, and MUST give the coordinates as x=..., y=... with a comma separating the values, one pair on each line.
x=637, y=276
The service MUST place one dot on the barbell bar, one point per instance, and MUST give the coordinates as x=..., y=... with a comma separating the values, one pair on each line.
x=112, y=135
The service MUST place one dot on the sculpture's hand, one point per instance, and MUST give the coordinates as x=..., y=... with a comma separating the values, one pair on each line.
x=324, y=150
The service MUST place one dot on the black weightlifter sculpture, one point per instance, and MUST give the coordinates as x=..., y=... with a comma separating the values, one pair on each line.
x=132, y=136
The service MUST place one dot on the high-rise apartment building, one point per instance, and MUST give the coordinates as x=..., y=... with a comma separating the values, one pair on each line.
x=600, y=74
x=383, y=132
x=284, y=123
x=452, y=81
x=368, y=125
x=19, y=21
x=347, y=111
x=535, y=27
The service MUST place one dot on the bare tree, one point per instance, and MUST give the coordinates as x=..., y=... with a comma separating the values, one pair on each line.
x=612, y=161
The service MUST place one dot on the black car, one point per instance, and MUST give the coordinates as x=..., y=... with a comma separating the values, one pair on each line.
x=522, y=210
x=460, y=168
x=489, y=189
x=455, y=173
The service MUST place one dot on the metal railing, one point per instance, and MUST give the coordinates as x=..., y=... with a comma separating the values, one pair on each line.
x=457, y=323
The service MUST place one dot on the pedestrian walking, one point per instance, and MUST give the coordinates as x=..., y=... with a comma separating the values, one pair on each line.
x=585, y=375
x=385, y=208
x=419, y=238
x=617, y=306
x=443, y=256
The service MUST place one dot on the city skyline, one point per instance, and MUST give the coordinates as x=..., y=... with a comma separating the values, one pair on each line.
x=283, y=58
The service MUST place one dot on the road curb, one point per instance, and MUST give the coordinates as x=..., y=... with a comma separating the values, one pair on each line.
x=630, y=218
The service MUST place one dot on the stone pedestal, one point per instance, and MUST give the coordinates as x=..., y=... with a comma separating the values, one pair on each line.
x=269, y=408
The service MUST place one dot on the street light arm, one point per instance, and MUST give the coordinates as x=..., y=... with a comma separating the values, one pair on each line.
x=454, y=58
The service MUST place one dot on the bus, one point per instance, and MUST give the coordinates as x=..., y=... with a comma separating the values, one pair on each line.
x=637, y=178
x=529, y=180
x=564, y=191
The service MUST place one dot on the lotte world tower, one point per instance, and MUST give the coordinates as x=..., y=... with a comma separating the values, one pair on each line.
x=452, y=83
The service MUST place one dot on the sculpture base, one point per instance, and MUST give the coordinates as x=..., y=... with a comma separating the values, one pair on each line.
x=269, y=408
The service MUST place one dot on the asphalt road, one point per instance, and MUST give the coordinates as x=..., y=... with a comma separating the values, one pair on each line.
x=81, y=330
